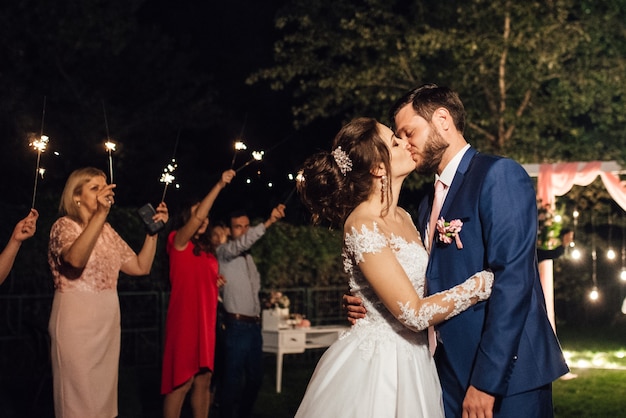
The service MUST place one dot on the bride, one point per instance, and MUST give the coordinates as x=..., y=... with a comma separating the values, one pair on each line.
x=382, y=366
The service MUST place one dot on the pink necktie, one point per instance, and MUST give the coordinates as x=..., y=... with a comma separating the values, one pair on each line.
x=440, y=189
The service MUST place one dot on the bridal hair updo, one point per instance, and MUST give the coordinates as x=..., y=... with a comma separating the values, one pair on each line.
x=332, y=185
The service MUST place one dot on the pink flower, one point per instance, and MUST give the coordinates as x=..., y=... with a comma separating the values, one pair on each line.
x=447, y=231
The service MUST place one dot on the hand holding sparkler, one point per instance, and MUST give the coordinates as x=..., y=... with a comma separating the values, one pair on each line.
x=256, y=156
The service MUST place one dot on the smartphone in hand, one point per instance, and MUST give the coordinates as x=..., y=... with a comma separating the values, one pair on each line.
x=146, y=212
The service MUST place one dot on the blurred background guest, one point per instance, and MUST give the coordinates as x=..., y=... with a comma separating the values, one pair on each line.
x=23, y=230
x=189, y=354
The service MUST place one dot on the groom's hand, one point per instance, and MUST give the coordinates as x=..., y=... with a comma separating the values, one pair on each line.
x=354, y=308
x=478, y=404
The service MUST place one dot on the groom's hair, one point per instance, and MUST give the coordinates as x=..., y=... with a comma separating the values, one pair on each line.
x=427, y=98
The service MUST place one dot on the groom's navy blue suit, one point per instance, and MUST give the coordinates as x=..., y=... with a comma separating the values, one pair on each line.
x=505, y=346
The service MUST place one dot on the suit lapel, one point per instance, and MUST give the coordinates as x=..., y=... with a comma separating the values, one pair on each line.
x=457, y=182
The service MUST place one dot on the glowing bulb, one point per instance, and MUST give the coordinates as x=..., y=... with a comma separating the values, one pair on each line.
x=610, y=254
x=270, y=184
x=576, y=214
x=557, y=218
x=622, y=275
x=594, y=294
x=248, y=181
x=576, y=254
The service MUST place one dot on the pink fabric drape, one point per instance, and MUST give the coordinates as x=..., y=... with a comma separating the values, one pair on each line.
x=558, y=179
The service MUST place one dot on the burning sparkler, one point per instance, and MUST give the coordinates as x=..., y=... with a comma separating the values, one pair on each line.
x=256, y=156
x=40, y=146
x=239, y=146
x=110, y=147
x=298, y=178
x=168, y=177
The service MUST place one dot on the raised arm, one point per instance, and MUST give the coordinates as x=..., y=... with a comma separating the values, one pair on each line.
x=390, y=282
x=201, y=212
x=141, y=264
x=23, y=230
x=77, y=253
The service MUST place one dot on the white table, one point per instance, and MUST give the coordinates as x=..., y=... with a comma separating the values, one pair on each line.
x=289, y=341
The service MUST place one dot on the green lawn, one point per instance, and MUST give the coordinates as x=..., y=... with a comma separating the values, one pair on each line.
x=596, y=392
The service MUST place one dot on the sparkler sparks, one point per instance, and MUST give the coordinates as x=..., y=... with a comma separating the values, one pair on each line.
x=256, y=156
x=239, y=146
x=168, y=177
x=110, y=147
x=40, y=144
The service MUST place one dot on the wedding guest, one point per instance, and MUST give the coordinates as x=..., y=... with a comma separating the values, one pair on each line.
x=86, y=256
x=243, y=344
x=23, y=230
x=188, y=359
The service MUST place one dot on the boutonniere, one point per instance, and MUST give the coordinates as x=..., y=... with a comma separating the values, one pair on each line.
x=447, y=231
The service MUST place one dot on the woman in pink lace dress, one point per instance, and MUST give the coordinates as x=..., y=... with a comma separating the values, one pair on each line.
x=85, y=256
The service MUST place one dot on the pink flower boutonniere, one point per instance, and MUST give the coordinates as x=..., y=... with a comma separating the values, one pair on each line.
x=450, y=230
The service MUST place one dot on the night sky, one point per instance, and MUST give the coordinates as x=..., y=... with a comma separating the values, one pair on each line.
x=224, y=41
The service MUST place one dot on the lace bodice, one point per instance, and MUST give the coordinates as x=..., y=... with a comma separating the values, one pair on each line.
x=411, y=255
x=415, y=311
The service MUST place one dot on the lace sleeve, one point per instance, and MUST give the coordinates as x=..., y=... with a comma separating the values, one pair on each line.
x=444, y=305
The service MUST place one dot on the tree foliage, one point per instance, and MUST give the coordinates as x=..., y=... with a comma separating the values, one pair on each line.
x=296, y=256
x=541, y=81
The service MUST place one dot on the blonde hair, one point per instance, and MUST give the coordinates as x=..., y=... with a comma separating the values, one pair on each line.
x=74, y=187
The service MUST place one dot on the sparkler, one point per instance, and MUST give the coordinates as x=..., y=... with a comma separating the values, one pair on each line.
x=110, y=147
x=256, y=156
x=39, y=145
x=239, y=146
x=299, y=178
x=168, y=177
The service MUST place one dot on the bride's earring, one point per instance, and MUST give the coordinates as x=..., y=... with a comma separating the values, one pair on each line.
x=383, y=188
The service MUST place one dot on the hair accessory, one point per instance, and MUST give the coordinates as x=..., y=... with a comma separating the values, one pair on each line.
x=342, y=160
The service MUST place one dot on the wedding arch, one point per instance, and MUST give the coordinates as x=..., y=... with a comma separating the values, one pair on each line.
x=556, y=180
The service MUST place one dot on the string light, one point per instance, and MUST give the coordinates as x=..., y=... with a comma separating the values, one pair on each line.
x=610, y=253
x=594, y=295
x=576, y=254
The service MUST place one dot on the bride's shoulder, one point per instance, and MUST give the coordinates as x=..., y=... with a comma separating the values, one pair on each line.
x=358, y=223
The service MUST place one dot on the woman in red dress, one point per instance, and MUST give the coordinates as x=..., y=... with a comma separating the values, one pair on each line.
x=189, y=354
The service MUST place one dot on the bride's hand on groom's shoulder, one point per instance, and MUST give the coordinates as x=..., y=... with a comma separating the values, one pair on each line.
x=354, y=308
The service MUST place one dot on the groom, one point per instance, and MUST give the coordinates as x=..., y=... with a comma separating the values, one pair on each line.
x=501, y=356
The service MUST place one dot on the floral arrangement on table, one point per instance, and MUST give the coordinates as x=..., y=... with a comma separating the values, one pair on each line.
x=549, y=225
x=276, y=312
x=277, y=300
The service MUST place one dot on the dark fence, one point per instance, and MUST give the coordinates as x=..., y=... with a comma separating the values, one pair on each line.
x=24, y=341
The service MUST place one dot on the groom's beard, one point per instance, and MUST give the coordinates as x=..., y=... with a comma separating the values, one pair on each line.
x=431, y=156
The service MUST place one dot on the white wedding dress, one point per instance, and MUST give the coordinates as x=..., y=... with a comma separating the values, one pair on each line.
x=380, y=368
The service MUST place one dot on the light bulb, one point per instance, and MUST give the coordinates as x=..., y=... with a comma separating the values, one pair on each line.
x=622, y=274
x=594, y=294
x=610, y=254
x=576, y=254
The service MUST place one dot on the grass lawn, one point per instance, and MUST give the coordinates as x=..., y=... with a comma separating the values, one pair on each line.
x=596, y=392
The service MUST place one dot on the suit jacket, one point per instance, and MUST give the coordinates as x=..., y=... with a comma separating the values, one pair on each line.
x=505, y=345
